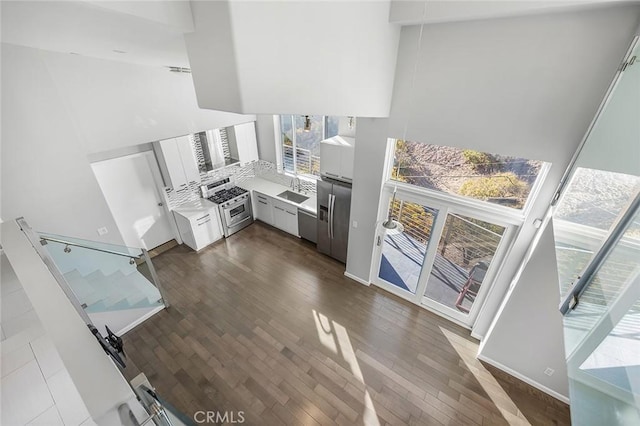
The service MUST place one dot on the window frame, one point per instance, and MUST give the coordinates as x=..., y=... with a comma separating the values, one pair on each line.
x=512, y=219
x=277, y=124
x=500, y=210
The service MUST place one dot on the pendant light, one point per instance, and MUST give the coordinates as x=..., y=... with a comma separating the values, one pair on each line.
x=392, y=226
x=307, y=123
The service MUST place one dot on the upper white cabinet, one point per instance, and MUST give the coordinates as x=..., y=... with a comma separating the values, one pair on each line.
x=243, y=144
x=188, y=159
x=177, y=162
x=336, y=157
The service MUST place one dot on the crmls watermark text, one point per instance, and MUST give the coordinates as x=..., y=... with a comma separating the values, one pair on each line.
x=219, y=417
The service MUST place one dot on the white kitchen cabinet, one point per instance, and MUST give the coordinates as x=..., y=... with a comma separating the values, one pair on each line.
x=263, y=208
x=188, y=158
x=336, y=157
x=285, y=217
x=243, y=145
x=177, y=162
x=275, y=212
x=198, y=223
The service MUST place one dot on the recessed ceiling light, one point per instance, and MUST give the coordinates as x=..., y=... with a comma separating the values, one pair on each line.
x=119, y=51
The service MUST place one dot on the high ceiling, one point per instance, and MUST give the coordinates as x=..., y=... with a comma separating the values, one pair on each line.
x=151, y=32
x=97, y=30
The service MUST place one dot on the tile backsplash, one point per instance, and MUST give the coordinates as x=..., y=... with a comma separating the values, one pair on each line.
x=262, y=169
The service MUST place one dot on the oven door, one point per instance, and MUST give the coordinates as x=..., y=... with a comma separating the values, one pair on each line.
x=237, y=212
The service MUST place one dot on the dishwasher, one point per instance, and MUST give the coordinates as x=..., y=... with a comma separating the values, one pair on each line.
x=308, y=226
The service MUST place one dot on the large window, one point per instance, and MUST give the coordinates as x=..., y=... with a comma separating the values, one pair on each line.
x=300, y=145
x=489, y=177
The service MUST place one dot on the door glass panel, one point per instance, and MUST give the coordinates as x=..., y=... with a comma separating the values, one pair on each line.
x=464, y=254
x=403, y=254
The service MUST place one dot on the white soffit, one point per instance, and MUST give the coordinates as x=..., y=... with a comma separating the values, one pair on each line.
x=312, y=57
x=93, y=30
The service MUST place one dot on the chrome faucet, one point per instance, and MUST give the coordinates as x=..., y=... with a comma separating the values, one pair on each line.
x=295, y=184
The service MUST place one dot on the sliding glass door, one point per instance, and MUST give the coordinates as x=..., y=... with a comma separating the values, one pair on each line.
x=443, y=259
x=465, y=254
x=402, y=254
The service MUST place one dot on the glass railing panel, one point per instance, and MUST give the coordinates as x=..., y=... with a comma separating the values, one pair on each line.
x=593, y=201
x=616, y=360
x=605, y=387
x=114, y=248
x=604, y=289
x=104, y=277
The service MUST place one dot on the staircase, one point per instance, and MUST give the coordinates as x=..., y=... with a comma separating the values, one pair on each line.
x=113, y=292
x=115, y=285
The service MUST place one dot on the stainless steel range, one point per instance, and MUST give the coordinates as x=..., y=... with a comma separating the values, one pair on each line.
x=233, y=202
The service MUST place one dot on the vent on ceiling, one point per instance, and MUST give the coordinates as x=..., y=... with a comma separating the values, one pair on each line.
x=180, y=69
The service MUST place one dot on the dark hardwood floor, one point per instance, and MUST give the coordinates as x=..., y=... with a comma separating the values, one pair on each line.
x=261, y=323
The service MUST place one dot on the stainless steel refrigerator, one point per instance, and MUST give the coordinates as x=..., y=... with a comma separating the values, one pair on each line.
x=334, y=208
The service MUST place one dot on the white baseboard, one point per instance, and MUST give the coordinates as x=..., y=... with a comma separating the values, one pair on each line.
x=358, y=279
x=525, y=379
x=477, y=336
x=140, y=320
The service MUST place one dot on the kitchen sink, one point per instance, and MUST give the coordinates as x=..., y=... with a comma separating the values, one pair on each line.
x=293, y=196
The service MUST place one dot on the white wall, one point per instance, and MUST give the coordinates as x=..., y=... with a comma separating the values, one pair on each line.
x=478, y=78
x=527, y=87
x=311, y=57
x=528, y=336
x=265, y=133
x=368, y=171
x=57, y=109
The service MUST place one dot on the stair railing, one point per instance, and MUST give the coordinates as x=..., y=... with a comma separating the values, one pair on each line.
x=34, y=239
x=136, y=255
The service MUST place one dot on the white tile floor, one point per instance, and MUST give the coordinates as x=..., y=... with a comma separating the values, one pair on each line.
x=35, y=386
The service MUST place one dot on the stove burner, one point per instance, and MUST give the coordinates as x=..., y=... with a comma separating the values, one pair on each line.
x=225, y=195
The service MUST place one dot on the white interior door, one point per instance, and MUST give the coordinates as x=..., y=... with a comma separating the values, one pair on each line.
x=129, y=185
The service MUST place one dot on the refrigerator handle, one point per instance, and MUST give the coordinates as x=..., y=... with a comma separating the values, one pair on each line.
x=333, y=206
x=329, y=216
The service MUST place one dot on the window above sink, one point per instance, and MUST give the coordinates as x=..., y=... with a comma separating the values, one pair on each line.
x=299, y=148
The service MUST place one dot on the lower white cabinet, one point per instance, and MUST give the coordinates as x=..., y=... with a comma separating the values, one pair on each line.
x=285, y=217
x=198, y=223
x=276, y=213
x=263, y=208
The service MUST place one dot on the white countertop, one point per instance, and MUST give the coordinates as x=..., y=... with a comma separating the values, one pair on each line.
x=194, y=208
x=272, y=189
